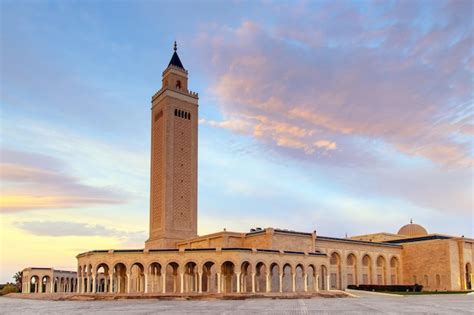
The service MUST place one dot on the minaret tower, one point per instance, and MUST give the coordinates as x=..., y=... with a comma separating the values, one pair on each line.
x=174, y=144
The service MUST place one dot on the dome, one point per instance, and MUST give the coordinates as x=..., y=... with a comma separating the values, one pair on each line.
x=412, y=229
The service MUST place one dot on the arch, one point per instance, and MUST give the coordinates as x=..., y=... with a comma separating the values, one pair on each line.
x=335, y=271
x=102, y=278
x=228, y=277
x=171, y=274
x=119, y=281
x=274, y=277
x=426, y=282
x=367, y=269
x=155, y=282
x=299, y=278
x=287, y=278
x=178, y=85
x=209, y=276
x=245, y=277
x=438, y=281
x=323, y=282
x=176, y=112
x=189, y=116
x=394, y=270
x=351, y=269
x=137, y=278
x=261, y=277
x=381, y=270
x=311, y=277
x=45, y=285
x=191, y=280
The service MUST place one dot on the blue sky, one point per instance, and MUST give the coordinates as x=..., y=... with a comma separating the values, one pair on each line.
x=341, y=117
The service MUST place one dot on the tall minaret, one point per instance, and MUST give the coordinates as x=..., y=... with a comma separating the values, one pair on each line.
x=174, y=144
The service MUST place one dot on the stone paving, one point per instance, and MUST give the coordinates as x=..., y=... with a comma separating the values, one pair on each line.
x=428, y=304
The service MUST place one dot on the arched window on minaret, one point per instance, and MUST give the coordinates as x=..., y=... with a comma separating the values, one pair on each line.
x=176, y=112
x=178, y=85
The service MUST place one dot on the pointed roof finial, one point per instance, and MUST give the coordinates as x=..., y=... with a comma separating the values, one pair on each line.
x=411, y=221
x=175, y=46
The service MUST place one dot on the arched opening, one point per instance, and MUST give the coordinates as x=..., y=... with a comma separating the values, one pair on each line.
x=178, y=85
x=468, y=277
x=209, y=278
x=45, y=284
x=335, y=269
x=299, y=278
x=176, y=112
x=323, y=278
x=34, y=284
x=287, y=280
x=102, y=278
x=351, y=269
x=261, y=277
x=137, y=278
x=120, y=278
x=381, y=270
x=438, y=281
x=394, y=270
x=426, y=282
x=274, y=277
x=311, y=278
x=189, y=116
x=172, y=278
x=191, y=278
x=155, y=278
x=366, y=270
x=245, y=277
x=228, y=277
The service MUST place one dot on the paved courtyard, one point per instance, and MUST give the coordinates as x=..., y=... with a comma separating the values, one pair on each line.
x=435, y=304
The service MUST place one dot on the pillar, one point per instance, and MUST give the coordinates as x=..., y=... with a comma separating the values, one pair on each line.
x=128, y=282
x=200, y=282
x=51, y=286
x=93, y=283
x=238, y=281
x=281, y=282
x=146, y=283
x=181, y=280
x=218, y=282
x=267, y=282
x=253, y=282
x=111, y=286
x=164, y=281
x=305, y=284
x=328, y=283
x=317, y=283
x=106, y=284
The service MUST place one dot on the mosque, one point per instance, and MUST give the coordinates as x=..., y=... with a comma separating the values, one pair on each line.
x=175, y=260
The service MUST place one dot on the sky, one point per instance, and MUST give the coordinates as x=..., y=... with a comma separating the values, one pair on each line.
x=344, y=117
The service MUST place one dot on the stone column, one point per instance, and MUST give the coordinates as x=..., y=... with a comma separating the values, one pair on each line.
x=328, y=281
x=238, y=281
x=28, y=288
x=317, y=283
x=293, y=280
x=267, y=283
x=164, y=281
x=83, y=286
x=51, y=286
x=218, y=282
x=253, y=282
x=146, y=283
x=93, y=283
x=181, y=280
x=281, y=282
x=111, y=283
x=200, y=282
x=128, y=282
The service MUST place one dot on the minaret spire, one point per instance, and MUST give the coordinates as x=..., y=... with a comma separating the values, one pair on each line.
x=175, y=48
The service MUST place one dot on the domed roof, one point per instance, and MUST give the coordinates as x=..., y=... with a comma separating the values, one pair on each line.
x=412, y=229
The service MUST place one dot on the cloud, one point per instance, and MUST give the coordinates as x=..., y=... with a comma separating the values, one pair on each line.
x=33, y=181
x=66, y=228
x=345, y=75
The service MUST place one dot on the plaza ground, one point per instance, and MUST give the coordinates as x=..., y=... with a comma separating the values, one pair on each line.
x=367, y=304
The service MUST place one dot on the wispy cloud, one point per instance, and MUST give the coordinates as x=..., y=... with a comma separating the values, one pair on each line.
x=347, y=74
x=33, y=181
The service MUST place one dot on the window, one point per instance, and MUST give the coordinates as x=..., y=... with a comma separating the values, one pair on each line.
x=178, y=85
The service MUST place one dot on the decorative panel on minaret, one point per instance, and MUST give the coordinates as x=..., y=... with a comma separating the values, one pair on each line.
x=173, y=182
